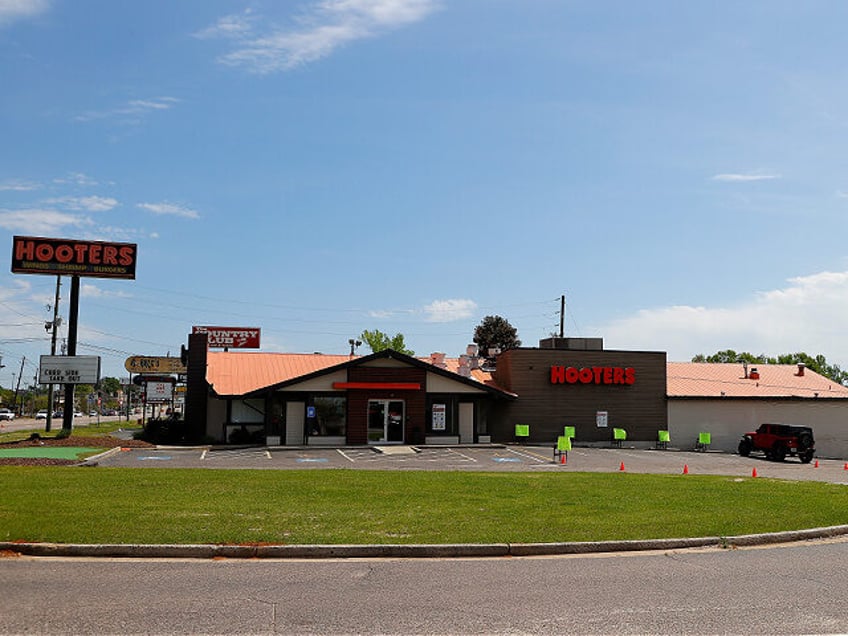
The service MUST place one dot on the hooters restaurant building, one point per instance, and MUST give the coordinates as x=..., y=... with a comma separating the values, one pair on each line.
x=576, y=382
x=390, y=398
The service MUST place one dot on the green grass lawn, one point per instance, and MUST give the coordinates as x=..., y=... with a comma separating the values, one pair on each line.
x=127, y=505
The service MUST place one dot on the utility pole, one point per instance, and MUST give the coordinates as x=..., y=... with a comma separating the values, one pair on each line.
x=18, y=387
x=54, y=324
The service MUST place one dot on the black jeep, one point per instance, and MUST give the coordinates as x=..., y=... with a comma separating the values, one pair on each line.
x=779, y=440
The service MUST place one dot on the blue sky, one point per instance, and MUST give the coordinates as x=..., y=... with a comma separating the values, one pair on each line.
x=320, y=167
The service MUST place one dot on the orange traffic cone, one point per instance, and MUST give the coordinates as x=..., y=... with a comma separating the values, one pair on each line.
x=562, y=458
x=816, y=465
x=685, y=469
x=621, y=467
x=846, y=465
x=754, y=473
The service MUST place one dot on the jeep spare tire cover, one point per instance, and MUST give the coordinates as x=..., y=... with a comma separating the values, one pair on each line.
x=805, y=440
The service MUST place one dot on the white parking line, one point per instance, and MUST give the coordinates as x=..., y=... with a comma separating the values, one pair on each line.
x=343, y=454
x=249, y=453
x=463, y=455
x=528, y=455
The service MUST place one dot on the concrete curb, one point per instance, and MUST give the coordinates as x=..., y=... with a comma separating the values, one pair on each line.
x=396, y=551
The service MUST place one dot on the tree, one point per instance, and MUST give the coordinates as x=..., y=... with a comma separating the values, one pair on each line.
x=110, y=386
x=495, y=331
x=379, y=341
x=818, y=363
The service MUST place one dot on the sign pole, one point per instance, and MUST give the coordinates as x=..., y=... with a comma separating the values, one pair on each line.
x=51, y=386
x=73, y=315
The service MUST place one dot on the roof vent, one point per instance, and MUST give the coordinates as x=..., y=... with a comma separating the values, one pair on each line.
x=801, y=368
x=754, y=374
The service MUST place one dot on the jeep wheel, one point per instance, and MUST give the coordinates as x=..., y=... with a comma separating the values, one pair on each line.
x=778, y=453
x=745, y=447
x=805, y=441
x=806, y=456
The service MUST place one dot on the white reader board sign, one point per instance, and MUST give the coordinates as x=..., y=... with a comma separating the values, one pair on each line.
x=69, y=370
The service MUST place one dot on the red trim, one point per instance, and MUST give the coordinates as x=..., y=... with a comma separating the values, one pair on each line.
x=388, y=386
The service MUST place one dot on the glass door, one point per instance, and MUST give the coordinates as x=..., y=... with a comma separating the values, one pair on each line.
x=385, y=421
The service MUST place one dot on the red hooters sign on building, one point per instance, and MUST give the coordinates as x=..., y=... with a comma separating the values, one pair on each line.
x=68, y=257
x=593, y=375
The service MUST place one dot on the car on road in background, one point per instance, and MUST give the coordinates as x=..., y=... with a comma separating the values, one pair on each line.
x=41, y=415
x=6, y=414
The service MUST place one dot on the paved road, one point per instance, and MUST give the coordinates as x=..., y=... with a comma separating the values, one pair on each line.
x=31, y=424
x=797, y=589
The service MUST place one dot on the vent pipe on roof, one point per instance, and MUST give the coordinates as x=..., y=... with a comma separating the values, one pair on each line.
x=745, y=368
x=801, y=368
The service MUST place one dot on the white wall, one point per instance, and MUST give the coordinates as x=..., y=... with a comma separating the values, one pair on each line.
x=727, y=420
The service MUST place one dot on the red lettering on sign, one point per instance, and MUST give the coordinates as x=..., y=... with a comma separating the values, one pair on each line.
x=592, y=375
x=64, y=254
x=44, y=252
x=557, y=375
x=126, y=255
x=25, y=250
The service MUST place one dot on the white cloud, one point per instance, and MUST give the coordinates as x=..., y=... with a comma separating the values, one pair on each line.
x=18, y=9
x=76, y=178
x=449, y=310
x=806, y=315
x=321, y=29
x=132, y=112
x=170, y=209
x=39, y=221
x=18, y=185
x=93, y=291
x=90, y=204
x=735, y=177
x=230, y=26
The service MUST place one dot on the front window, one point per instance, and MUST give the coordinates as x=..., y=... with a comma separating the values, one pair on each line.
x=330, y=417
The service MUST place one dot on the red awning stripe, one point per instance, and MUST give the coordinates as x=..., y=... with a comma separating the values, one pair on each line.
x=387, y=386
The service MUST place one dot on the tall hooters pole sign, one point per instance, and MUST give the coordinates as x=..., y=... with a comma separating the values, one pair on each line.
x=593, y=375
x=68, y=257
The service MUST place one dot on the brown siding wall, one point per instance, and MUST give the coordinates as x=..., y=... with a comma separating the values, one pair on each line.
x=357, y=401
x=197, y=391
x=639, y=408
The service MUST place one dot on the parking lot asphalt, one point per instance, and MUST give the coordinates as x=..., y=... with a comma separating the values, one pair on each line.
x=477, y=458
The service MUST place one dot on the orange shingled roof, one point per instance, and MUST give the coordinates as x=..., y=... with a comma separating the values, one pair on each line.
x=703, y=379
x=241, y=372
